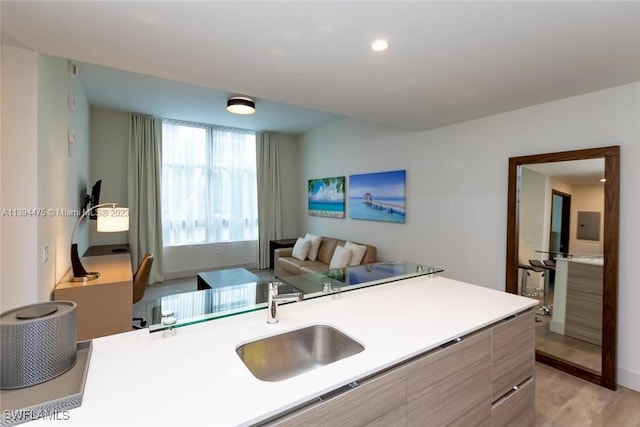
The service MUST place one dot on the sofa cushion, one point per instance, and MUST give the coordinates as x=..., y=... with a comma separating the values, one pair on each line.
x=326, y=250
x=340, y=258
x=315, y=245
x=301, y=249
x=357, y=252
x=289, y=265
x=313, y=267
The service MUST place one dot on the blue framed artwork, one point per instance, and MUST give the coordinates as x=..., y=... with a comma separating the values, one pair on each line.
x=378, y=196
x=326, y=197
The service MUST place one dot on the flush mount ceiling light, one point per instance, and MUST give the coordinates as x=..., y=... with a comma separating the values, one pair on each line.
x=241, y=105
x=379, y=45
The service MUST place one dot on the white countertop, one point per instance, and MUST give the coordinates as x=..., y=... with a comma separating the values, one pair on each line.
x=595, y=260
x=196, y=378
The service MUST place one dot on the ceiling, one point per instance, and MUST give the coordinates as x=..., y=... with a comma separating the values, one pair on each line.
x=574, y=172
x=307, y=63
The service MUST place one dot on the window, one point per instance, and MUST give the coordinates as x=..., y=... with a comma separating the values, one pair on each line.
x=209, y=187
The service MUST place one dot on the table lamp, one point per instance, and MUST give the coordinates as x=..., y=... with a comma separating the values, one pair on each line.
x=110, y=219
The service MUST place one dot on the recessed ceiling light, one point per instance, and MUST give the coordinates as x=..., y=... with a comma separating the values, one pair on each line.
x=379, y=45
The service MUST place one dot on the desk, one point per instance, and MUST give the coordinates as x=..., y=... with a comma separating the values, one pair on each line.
x=122, y=248
x=105, y=305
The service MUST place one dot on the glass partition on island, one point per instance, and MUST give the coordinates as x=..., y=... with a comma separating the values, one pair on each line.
x=221, y=301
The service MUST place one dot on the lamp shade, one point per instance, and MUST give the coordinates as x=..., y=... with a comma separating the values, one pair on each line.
x=111, y=220
x=241, y=105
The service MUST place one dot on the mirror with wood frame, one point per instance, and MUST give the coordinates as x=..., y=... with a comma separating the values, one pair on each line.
x=562, y=248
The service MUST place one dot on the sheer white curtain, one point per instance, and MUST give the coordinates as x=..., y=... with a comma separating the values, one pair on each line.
x=143, y=192
x=270, y=222
x=208, y=184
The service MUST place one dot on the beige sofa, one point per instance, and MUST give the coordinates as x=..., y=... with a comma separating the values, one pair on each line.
x=286, y=265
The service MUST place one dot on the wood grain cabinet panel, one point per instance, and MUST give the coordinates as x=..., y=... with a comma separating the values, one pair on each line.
x=463, y=383
x=452, y=386
x=584, y=302
x=513, y=353
x=517, y=409
x=378, y=402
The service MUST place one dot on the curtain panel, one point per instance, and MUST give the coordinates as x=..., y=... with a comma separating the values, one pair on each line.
x=269, y=203
x=145, y=224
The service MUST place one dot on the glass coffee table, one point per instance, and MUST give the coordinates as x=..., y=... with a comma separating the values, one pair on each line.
x=222, y=300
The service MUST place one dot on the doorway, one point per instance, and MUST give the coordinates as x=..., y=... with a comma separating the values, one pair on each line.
x=560, y=224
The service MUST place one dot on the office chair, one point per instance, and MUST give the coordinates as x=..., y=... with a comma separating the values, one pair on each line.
x=140, y=279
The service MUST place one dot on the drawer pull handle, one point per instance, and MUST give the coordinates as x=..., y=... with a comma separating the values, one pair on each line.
x=452, y=342
x=510, y=392
x=338, y=391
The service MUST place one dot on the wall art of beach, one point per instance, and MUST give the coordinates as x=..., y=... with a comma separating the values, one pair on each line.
x=378, y=196
x=326, y=197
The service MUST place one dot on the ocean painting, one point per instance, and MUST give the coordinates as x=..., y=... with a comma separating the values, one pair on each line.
x=378, y=196
x=326, y=197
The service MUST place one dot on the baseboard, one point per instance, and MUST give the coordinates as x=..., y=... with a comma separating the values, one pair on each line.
x=629, y=379
x=186, y=274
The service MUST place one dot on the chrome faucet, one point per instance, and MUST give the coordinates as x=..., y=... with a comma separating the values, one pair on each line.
x=272, y=308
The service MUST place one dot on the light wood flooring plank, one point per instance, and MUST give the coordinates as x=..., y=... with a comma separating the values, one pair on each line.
x=566, y=401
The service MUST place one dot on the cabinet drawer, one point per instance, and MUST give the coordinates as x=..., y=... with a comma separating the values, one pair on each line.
x=378, y=402
x=513, y=353
x=516, y=409
x=452, y=386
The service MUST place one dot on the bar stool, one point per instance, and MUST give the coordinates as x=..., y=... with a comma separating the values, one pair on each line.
x=524, y=290
x=546, y=308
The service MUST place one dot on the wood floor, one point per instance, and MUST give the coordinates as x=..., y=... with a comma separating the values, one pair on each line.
x=561, y=400
x=566, y=401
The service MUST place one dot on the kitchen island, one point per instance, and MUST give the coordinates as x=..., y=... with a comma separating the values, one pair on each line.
x=196, y=378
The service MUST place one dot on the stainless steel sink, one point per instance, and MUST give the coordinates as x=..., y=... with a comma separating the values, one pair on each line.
x=286, y=355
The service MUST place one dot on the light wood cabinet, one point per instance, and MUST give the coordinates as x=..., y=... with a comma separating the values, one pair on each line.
x=513, y=381
x=484, y=379
x=452, y=386
x=513, y=351
x=516, y=408
x=380, y=401
x=584, y=302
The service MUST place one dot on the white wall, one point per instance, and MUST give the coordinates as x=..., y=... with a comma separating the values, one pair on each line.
x=457, y=189
x=19, y=176
x=533, y=223
x=63, y=169
x=109, y=153
x=109, y=150
x=532, y=215
x=39, y=173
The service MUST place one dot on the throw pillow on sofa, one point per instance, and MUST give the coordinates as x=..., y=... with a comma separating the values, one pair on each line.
x=357, y=252
x=315, y=245
x=341, y=257
x=301, y=249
